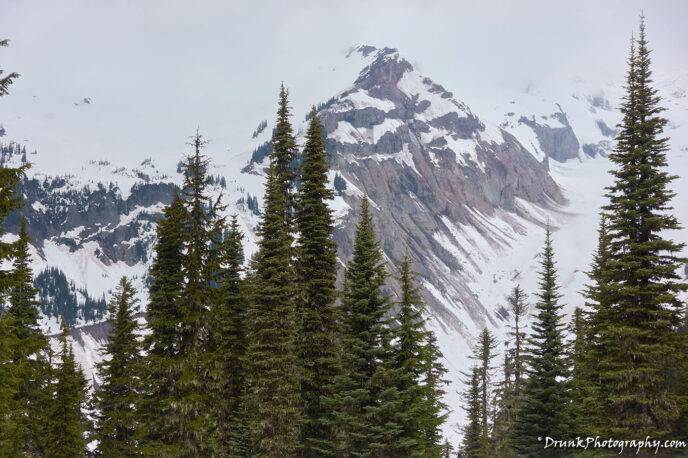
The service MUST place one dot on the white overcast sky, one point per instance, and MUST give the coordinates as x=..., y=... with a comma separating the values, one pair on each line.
x=157, y=69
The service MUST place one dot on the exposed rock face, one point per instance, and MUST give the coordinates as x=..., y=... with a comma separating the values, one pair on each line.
x=443, y=183
x=430, y=167
x=121, y=227
x=558, y=142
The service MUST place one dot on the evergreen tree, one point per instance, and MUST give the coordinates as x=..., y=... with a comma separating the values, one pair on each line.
x=162, y=344
x=642, y=269
x=202, y=236
x=578, y=413
x=283, y=156
x=418, y=372
x=472, y=445
x=183, y=289
x=9, y=202
x=542, y=410
x=116, y=399
x=508, y=393
x=8, y=79
x=316, y=270
x=518, y=309
x=364, y=388
x=597, y=342
x=11, y=437
x=504, y=407
x=191, y=419
x=66, y=424
x=228, y=326
x=23, y=391
x=272, y=348
x=22, y=294
x=484, y=353
x=28, y=359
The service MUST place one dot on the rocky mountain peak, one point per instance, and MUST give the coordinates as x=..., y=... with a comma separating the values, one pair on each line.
x=441, y=180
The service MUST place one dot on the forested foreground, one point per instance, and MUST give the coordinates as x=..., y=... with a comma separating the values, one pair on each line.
x=270, y=357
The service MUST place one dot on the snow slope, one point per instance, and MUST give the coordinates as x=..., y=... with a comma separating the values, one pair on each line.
x=492, y=250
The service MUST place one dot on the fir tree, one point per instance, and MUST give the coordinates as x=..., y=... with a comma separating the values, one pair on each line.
x=598, y=342
x=22, y=391
x=272, y=349
x=202, y=230
x=66, y=424
x=419, y=372
x=11, y=432
x=283, y=156
x=188, y=416
x=578, y=412
x=542, y=411
x=316, y=270
x=518, y=309
x=228, y=326
x=8, y=79
x=28, y=360
x=9, y=202
x=161, y=363
x=642, y=269
x=505, y=401
x=274, y=376
x=365, y=379
x=22, y=294
x=472, y=445
x=484, y=353
x=116, y=399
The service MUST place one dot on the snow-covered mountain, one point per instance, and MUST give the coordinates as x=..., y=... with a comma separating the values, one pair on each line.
x=467, y=190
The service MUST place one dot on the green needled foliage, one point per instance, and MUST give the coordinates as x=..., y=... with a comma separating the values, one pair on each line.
x=66, y=424
x=190, y=416
x=24, y=383
x=228, y=335
x=642, y=270
x=484, y=353
x=28, y=359
x=283, y=156
x=471, y=447
x=316, y=272
x=419, y=372
x=162, y=344
x=8, y=79
x=116, y=401
x=272, y=348
x=364, y=388
x=272, y=342
x=542, y=411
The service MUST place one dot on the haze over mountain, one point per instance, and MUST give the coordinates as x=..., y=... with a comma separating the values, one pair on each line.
x=464, y=176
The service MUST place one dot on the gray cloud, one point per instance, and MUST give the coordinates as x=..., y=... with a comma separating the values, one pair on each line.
x=156, y=69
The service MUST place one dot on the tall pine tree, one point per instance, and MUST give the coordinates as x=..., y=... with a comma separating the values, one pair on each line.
x=316, y=270
x=644, y=283
x=228, y=327
x=272, y=348
x=419, y=371
x=518, y=309
x=8, y=79
x=23, y=389
x=598, y=342
x=542, y=411
x=471, y=447
x=365, y=378
x=484, y=353
x=29, y=358
x=66, y=424
x=160, y=366
x=191, y=416
x=116, y=400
